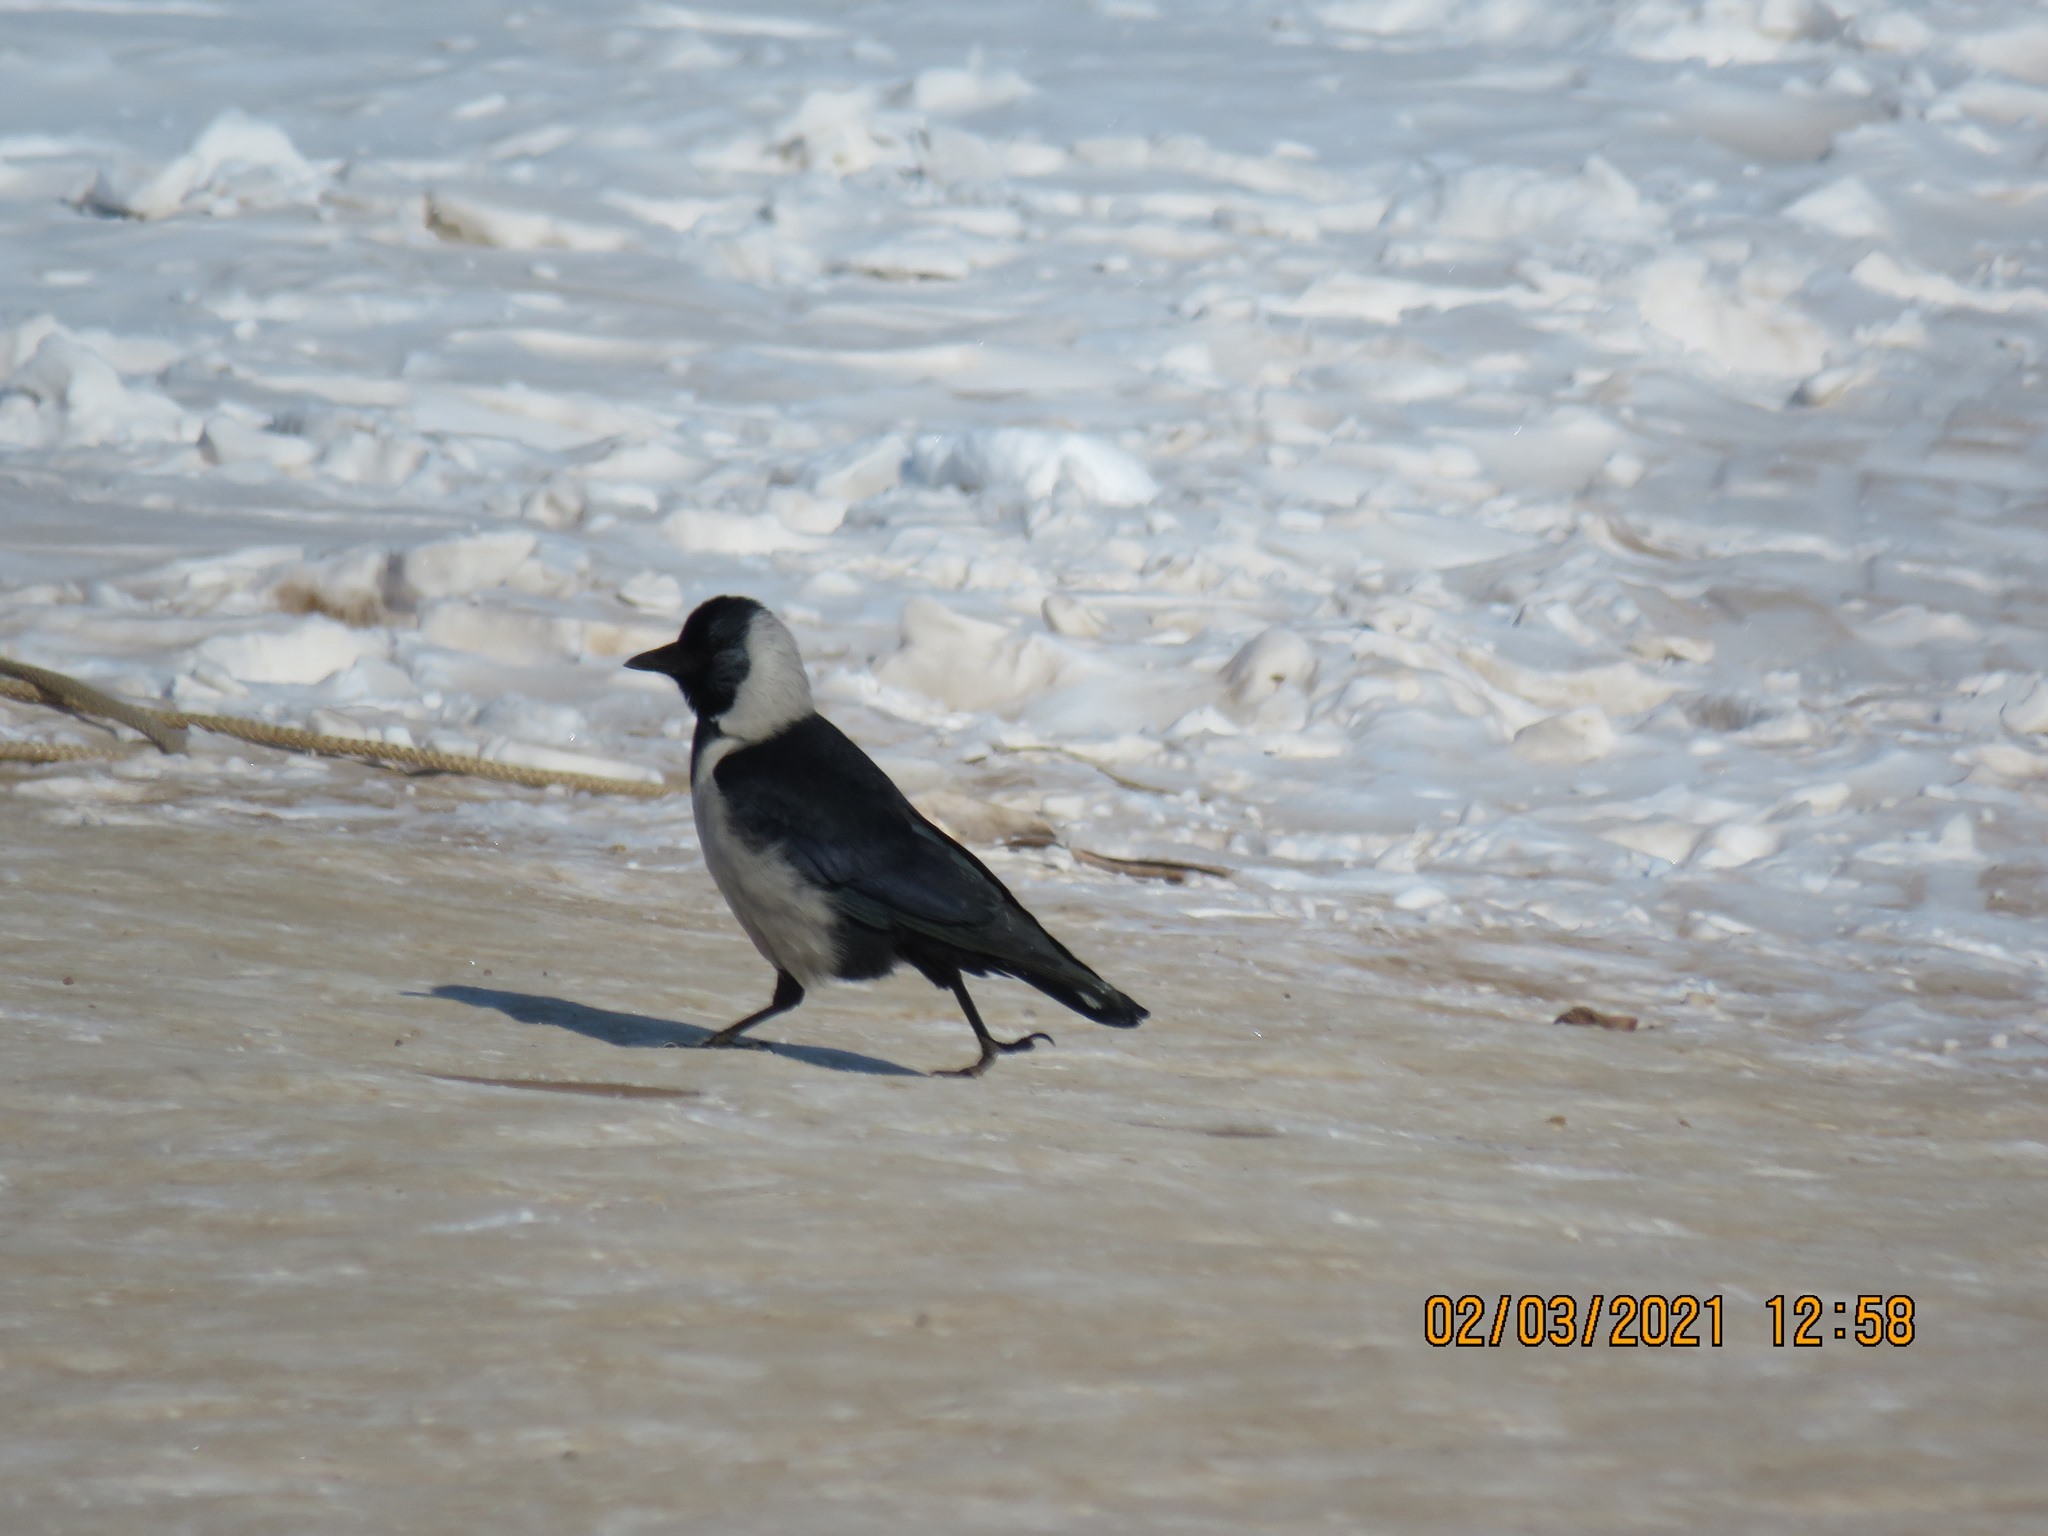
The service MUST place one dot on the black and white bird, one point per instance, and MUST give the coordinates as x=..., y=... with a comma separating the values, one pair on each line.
x=830, y=870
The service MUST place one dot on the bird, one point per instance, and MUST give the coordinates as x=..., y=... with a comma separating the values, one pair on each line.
x=831, y=871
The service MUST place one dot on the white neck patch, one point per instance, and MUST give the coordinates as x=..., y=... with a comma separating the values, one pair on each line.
x=776, y=693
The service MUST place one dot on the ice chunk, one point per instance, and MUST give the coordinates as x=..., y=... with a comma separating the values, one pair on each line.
x=2021, y=51
x=803, y=512
x=467, y=220
x=228, y=440
x=525, y=754
x=937, y=255
x=1064, y=616
x=953, y=155
x=355, y=587
x=508, y=635
x=1736, y=843
x=1885, y=273
x=1500, y=203
x=1384, y=300
x=238, y=162
x=654, y=591
x=976, y=88
x=1033, y=463
x=451, y=567
x=1464, y=21
x=1671, y=841
x=1620, y=687
x=1742, y=331
x=1722, y=31
x=1576, y=736
x=1847, y=208
x=559, y=502
x=968, y=663
x=1955, y=844
x=2028, y=715
x=867, y=469
x=1268, y=681
x=527, y=719
x=309, y=651
x=705, y=532
x=1912, y=624
x=66, y=393
x=841, y=132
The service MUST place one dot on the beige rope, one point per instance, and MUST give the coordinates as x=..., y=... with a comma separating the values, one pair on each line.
x=53, y=752
x=82, y=698
x=167, y=727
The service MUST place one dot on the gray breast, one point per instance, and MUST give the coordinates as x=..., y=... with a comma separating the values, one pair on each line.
x=789, y=919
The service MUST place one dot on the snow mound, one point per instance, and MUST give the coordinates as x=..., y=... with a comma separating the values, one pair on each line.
x=704, y=531
x=526, y=754
x=841, y=133
x=1033, y=463
x=863, y=470
x=1577, y=736
x=466, y=220
x=453, y=567
x=975, y=88
x=1718, y=32
x=1268, y=681
x=65, y=393
x=653, y=592
x=1500, y=203
x=966, y=663
x=1743, y=330
x=1464, y=21
x=929, y=255
x=311, y=650
x=229, y=440
x=1847, y=208
x=2020, y=51
x=237, y=163
x=356, y=587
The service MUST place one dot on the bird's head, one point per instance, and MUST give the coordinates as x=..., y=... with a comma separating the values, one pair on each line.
x=738, y=666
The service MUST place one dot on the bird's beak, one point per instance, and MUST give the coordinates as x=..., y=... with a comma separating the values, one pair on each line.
x=663, y=659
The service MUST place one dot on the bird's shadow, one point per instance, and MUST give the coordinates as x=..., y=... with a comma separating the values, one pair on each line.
x=639, y=1029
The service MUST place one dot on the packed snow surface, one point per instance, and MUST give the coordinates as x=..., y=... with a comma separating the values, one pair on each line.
x=1551, y=479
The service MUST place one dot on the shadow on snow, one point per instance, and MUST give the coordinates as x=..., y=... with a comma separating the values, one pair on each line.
x=639, y=1029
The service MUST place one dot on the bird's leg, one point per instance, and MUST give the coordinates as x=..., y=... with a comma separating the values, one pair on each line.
x=788, y=993
x=991, y=1047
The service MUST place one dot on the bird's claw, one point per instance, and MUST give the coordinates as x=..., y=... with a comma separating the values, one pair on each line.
x=994, y=1048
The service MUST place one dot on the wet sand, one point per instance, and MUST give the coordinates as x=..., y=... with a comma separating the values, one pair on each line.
x=345, y=1190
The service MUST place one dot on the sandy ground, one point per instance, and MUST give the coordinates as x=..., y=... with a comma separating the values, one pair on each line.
x=276, y=1260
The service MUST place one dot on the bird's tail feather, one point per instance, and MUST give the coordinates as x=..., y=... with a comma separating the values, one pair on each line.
x=1074, y=986
x=1087, y=994
x=1016, y=944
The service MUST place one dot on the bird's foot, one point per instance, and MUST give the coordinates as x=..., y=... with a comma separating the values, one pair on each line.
x=991, y=1049
x=724, y=1040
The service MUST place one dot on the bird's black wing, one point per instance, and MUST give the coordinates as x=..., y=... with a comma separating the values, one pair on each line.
x=823, y=803
x=817, y=799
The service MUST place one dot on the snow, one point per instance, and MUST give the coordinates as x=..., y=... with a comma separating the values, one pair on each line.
x=1510, y=482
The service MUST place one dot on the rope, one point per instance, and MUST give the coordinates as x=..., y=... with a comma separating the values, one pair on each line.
x=53, y=752
x=167, y=727
x=84, y=699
